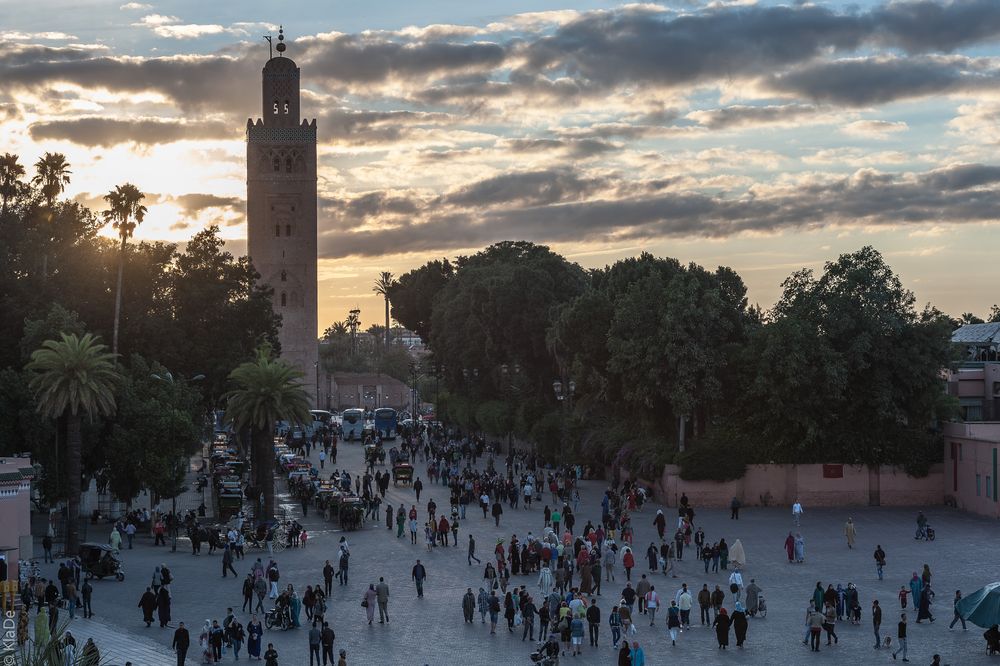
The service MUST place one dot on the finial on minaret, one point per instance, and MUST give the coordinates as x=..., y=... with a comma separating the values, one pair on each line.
x=281, y=40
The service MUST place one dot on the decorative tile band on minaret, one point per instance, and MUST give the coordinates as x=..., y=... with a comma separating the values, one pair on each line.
x=281, y=208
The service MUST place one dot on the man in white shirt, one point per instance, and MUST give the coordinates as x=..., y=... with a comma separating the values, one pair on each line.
x=684, y=603
x=797, y=512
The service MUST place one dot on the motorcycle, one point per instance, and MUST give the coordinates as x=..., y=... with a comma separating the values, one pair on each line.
x=546, y=654
x=278, y=617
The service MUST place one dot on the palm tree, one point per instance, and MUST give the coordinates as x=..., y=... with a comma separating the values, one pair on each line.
x=382, y=286
x=268, y=390
x=51, y=176
x=74, y=377
x=125, y=214
x=11, y=172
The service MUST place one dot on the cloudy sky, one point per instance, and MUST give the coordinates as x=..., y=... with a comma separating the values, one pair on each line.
x=760, y=135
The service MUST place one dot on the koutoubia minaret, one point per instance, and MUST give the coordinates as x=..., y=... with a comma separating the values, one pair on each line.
x=281, y=209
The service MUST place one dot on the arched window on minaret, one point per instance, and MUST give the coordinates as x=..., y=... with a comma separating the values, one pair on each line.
x=275, y=107
x=277, y=231
x=288, y=230
x=286, y=107
x=288, y=164
x=284, y=276
x=277, y=164
x=284, y=299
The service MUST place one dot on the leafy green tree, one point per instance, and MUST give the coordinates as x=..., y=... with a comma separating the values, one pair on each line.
x=125, y=213
x=156, y=429
x=73, y=377
x=412, y=295
x=267, y=390
x=221, y=313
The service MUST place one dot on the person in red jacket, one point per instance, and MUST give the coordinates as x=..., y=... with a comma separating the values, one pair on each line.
x=628, y=561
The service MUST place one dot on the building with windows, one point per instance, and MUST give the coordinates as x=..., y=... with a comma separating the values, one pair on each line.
x=281, y=210
x=971, y=444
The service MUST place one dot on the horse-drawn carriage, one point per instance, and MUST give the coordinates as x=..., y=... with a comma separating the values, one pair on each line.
x=256, y=537
x=398, y=456
x=374, y=454
x=98, y=560
x=402, y=472
x=351, y=514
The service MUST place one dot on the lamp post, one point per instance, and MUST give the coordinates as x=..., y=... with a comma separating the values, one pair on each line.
x=564, y=394
x=316, y=369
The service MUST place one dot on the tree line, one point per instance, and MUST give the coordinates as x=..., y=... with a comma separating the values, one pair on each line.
x=670, y=363
x=181, y=321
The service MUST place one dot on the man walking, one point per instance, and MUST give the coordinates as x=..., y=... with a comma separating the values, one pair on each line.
x=419, y=574
x=382, y=596
x=227, y=561
x=879, y=560
x=315, y=639
x=182, y=640
x=326, y=640
x=877, y=623
x=472, y=551
x=328, y=577
x=705, y=602
x=957, y=618
x=593, y=622
x=901, y=637
x=797, y=513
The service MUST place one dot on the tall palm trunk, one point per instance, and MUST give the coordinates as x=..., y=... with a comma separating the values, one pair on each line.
x=73, y=444
x=264, y=469
x=387, y=322
x=118, y=296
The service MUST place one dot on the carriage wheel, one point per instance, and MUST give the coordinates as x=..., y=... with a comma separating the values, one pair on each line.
x=279, y=544
x=120, y=577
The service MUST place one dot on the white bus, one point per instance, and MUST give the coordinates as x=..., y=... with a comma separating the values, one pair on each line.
x=352, y=424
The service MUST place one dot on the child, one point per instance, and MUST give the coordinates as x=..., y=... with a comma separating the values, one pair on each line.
x=902, y=596
x=271, y=656
x=303, y=538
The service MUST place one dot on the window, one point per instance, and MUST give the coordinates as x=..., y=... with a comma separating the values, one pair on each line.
x=276, y=164
x=275, y=107
x=288, y=230
x=286, y=107
x=284, y=276
x=989, y=487
x=288, y=164
x=979, y=485
x=277, y=230
x=284, y=299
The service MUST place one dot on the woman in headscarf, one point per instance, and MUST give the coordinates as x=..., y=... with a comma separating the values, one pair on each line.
x=294, y=606
x=653, y=555
x=255, y=632
x=163, y=605
x=42, y=633
x=586, y=575
x=625, y=655
x=916, y=587
x=147, y=602
x=721, y=625
x=545, y=581
x=69, y=650
x=369, y=602
x=924, y=608
x=205, y=642
x=790, y=547
x=740, y=624
x=800, y=548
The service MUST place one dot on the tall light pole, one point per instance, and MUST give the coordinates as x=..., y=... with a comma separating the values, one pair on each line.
x=564, y=394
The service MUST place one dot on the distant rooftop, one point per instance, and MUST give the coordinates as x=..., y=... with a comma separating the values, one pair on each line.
x=977, y=334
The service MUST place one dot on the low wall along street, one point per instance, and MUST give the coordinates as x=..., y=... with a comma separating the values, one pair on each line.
x=813, y=485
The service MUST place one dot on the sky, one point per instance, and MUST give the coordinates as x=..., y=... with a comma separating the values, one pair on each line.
x=764, y=136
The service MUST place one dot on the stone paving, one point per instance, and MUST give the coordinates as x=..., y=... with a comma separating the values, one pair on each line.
x=431, y=631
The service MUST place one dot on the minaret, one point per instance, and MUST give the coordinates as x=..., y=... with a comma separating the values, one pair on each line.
x=281, y=209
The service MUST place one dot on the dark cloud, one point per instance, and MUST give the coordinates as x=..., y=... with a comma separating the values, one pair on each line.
x=357, y=127
x=372, y=204
x=937, y=26
x=193, y=83
x=579, y=148
x=877, y=80
x=108, y=131
x=529, y=188
x=956, y=194
x=738, y=116
x=194, y=203
x=378, y=57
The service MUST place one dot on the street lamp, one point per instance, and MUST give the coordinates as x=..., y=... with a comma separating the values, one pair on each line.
x=316, y=368
x=564, y=394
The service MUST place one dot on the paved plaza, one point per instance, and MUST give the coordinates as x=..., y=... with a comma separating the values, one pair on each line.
x=431, y=630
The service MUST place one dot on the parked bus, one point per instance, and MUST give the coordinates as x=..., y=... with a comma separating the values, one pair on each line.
x=385, y=422
x=352, y=424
